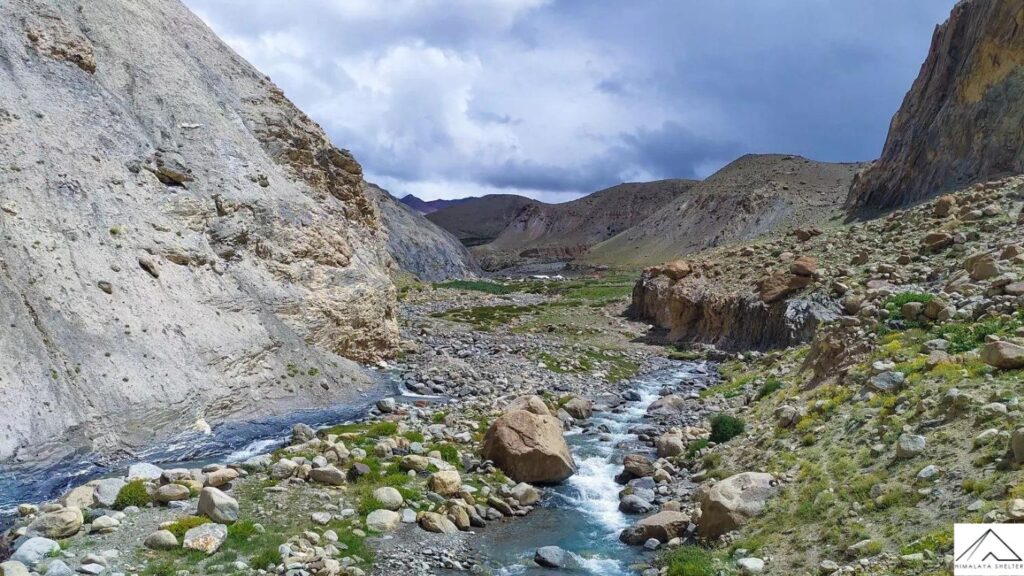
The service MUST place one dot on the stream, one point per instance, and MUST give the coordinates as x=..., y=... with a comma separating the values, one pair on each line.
x=233, y=441
x=582, y=514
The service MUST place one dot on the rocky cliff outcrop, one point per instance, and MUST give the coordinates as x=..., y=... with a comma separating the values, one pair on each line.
x=177, y=240
x=694, y=308
x=419, y=246
x=961, y=121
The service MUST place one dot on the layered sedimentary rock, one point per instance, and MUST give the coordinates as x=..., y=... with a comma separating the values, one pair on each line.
x=177, y=240
x=696, y=309
x=961, y=121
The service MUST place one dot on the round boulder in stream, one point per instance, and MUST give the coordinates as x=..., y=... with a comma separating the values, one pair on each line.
x=527, y=444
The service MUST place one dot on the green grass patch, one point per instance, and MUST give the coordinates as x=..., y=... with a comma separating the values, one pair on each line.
x=725, y=427
x=476, y=286
x=185, y=524
x=690, y=561
x=132, y=494
x=770, y=386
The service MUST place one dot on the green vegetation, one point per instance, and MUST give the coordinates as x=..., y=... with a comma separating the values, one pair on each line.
x=185, y=524
x=770, y=386
x=476, y=286
x=894, y=304
x=487, y=317
x=725, y=427
x=691, y=561
x=132, y=494
x=964, y=337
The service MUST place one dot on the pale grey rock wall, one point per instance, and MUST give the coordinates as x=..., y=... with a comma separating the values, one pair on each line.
x=177, y=240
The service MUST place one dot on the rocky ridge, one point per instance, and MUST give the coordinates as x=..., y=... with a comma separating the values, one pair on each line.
x=960, y=121
x=754, y=195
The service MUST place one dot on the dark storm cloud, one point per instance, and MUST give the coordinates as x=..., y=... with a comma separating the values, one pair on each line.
x=452, y=97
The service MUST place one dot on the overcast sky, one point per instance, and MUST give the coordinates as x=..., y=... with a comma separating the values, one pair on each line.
x=557, y=98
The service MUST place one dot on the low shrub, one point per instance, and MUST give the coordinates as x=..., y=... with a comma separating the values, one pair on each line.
x=132, y=494
x=690, y=561
x=725, y=427
x=185, y=524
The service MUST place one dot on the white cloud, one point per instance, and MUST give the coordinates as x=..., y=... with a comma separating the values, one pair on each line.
x=446, y=98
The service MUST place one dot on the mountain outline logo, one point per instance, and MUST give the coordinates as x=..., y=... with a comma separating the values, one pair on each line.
x=989, y=547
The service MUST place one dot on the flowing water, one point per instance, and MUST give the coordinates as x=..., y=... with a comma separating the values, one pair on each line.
x=228, y=442
x=582, y=515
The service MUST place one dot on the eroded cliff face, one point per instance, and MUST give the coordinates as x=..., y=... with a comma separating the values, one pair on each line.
x=961, y=121
x=696, y=309
x=177, y=240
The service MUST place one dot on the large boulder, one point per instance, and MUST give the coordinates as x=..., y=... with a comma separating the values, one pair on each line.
x=434, y=522
x=579, y=408
x=33, y=550
x=446, y=482
x=383, y=520
x=529, y=447
x=206, y=538
x=730, y=503
x=58, y=524
x=1003, y=355
x=218, y=506
x=662, y=526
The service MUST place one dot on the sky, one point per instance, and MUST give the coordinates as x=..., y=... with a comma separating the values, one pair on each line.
x=554, y=99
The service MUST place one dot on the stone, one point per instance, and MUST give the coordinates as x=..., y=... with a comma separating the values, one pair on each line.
x=888, y=382
x=59, y=568
x=445, y=482
x=1003, y=355
x=937, y=241
x=778, y=285
x=218, y=506
x=383, y=520
x=78, y=497
x=579, y=408
x=161, y=540
x=355, y=472
x=106, y=492
x=532, y=403
x=1015, y=509
x=282, y=469
x=750, y=565
x=302, y=433
x=633, y=504
x=434, y=522
x=57, y=524
x=388, y=498
x=669, y=445
x=104, y=524
x=804, y=266
x=414, y=462
x=386, y=405
x=525, y=494
x=733, y=501
x=909, y=446
x=551, y=557
x=944, y=205
x=327, y=475
x=637, y=466
x=1017, y=445
x=219, y=478
x=529, y=447
x=144, y=471
x=662, y=526
x=33, y=550
x=206, y=538
x=13, y=568
x=982, y=266
x=171, y=492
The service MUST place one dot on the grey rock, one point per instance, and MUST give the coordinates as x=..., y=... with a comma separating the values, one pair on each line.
x=161, y=540
x=33, y=550
x=218, y=506
x=106, y=491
